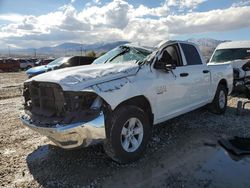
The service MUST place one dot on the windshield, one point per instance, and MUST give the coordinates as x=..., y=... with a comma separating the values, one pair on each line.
x=123, y=54
x=224, y=55
x=59, y=61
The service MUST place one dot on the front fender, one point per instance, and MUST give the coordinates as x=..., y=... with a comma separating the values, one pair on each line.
x=114, y=92
x=117, y=91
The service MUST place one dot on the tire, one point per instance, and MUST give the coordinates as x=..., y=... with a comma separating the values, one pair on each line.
x=219, y=104
x=118, y=144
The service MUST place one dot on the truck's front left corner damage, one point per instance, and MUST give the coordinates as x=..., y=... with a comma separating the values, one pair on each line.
x=70, y=119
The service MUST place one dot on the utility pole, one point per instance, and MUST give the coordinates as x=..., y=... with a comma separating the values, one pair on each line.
x=9, y=50
x=81, y=49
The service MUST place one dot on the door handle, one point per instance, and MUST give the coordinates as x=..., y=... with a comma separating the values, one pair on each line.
x=206, y=71
x=184, y=74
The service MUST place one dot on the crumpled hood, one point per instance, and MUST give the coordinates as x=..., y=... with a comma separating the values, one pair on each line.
x=235, y=63
x=239, y=63
x=87, y=75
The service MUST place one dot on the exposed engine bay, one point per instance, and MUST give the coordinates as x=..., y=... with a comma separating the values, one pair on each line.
x=48, y=105
x=241, y=72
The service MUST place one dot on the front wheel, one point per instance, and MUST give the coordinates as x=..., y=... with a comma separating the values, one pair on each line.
x=219, y=104
x=128, y=133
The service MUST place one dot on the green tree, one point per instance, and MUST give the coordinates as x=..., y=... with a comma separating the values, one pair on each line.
x=91, y=54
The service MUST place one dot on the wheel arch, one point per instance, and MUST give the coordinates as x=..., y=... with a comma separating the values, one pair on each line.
x=224, y=83
x=142, y=102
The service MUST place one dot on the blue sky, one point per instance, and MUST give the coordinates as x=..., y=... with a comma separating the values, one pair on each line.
x=36, y=23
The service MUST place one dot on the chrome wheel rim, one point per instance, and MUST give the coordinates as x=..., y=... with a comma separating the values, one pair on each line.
x=222, y=99
x=131, y=134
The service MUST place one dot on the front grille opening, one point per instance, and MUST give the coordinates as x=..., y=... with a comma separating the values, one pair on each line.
x=48, y=104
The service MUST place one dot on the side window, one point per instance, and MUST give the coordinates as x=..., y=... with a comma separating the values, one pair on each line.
x=191, y=54
x=81, y=60
x=171, y=54
x=74, y=61
x=84, y=60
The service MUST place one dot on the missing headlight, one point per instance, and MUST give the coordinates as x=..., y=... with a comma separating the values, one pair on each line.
x=47, y=104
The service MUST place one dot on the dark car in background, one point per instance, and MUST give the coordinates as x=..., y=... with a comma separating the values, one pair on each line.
x=9, y=65
x=59, y=63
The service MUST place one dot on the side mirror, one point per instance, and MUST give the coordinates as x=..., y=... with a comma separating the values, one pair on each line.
x=170, y=67
x=165, y=66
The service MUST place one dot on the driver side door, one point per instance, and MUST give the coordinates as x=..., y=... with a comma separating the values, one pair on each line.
x=172, y=86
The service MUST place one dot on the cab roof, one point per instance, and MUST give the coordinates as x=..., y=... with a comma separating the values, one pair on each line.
x=165, y=43
x=234, y=44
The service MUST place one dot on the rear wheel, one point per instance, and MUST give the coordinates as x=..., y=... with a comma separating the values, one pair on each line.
x=128, y=133
x=219, y=104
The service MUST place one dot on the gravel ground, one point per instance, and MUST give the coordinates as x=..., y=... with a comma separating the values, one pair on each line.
x=183, y=152
x=11, y=84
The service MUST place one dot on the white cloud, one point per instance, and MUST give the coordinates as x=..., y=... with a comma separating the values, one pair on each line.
x=113, y=15
x=94, y=2
x=185, y=4
x=212, y=21
x=119, y=20
x=146, y=11
x=97, y=1
x=241, y=3
x=11, y=17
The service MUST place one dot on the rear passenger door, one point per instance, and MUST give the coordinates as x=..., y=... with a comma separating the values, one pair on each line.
x=197, y=73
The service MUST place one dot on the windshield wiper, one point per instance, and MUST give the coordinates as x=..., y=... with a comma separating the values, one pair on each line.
x=126, y=49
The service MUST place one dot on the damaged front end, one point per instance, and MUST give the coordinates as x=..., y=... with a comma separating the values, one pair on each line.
x=69, y=119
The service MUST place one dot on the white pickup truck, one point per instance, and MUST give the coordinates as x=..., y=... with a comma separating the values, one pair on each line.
x=236, y=53
x=124, y=93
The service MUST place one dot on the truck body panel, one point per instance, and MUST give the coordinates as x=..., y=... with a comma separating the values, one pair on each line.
x=169, y=92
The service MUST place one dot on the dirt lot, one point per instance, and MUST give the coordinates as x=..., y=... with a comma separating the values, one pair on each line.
x=183, y=152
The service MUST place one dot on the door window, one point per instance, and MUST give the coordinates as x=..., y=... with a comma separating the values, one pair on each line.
x=171, y=55
x=74, y=61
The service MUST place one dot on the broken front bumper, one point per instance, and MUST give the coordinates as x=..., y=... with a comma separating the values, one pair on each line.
x=71, y=135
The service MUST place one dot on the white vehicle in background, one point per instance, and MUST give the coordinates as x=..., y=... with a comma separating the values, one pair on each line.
x=26, y=64
x=119, y=97
x=237, y=53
